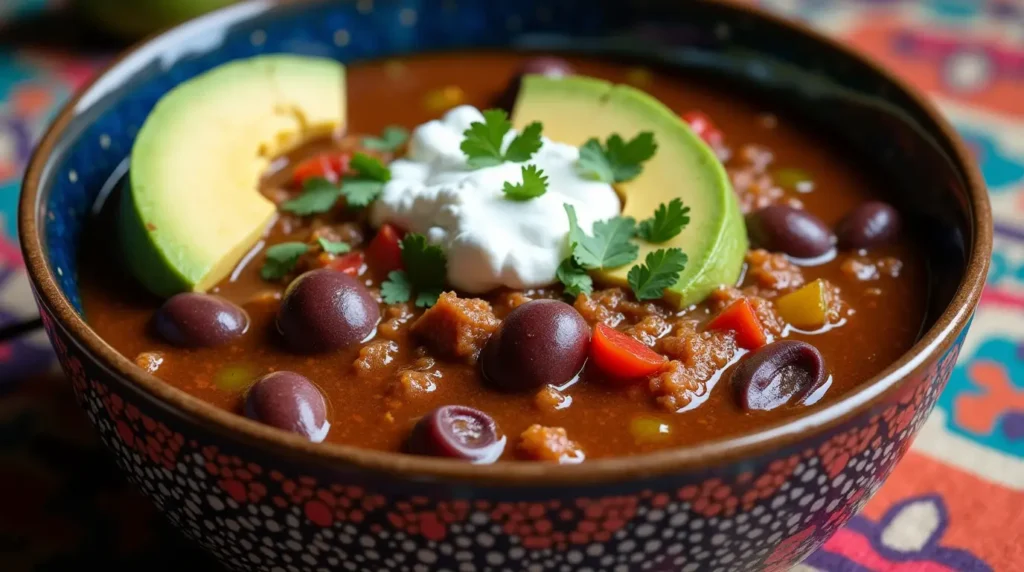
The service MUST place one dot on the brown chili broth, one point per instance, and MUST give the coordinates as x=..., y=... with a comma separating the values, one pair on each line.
x=385, y=93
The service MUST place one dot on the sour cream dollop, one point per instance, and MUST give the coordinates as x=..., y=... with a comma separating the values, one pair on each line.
x=490, y=241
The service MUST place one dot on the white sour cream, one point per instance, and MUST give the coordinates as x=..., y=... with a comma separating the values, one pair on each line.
x=490, y=241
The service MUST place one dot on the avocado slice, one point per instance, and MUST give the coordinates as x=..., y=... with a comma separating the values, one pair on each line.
x=574, y=109
x=192, y=207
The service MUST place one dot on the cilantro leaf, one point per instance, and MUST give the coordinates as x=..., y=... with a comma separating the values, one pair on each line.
x=617, y=161
x=390, y=139
x=331, y=247
x=396, y=289
x=363, y=188
x=425, y=263
x=660, y=270
x=281, y=259
x=427, y=298
x=360, y=192
x=574, y=278
x=369, y=168
x=627, y=158
x=610, y=247
x=482, y=143
x=592, y=163
x=534, y=185
x=525, y=144
x=318, y=196
x=425, y=272
x=667, y=222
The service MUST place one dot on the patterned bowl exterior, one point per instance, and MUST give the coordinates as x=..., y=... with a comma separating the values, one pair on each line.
x=269, y=514
x=262, y=512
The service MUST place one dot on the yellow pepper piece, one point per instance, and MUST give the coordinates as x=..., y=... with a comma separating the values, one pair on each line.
x=649, y=429
x=804, y=308
x=235, y=377
x=444, y=99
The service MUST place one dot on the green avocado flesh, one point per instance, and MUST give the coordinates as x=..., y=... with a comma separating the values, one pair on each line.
x=192, y=207
x=574, y=109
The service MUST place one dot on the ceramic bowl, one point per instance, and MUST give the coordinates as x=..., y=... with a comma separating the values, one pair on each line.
x=264, y=500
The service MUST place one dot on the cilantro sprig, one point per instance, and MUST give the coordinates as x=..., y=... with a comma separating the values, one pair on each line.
x=617, y=161
x=318, y=196
x=660, y=270
x=610, y=246
x=574, y=277
x=534, y=184
x=425, y=272
x=483, y=141
x=667, y=222
x=390, y=139
x=333, y=247
x=281, y=259
x=361, y=189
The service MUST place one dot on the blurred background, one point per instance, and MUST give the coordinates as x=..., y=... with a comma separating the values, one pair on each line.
x=956, y=502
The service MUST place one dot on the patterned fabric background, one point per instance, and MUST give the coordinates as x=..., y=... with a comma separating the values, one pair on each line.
x=956, y=502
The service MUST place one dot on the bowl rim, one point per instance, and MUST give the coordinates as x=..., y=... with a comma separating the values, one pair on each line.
x=276, y=443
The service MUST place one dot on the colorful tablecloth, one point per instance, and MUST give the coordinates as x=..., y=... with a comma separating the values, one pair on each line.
x=956, y=502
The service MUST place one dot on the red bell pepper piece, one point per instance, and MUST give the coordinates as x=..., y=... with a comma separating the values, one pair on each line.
x=704, y=127
x=385, y=251
x=330, y=166
x=349, y=263
x=739, y=317
x=621, y=356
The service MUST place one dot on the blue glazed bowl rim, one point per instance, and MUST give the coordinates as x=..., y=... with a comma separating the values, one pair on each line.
x=232, y=427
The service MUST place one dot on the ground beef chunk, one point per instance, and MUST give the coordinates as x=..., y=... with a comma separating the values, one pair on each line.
x=456, y=328
x=420, y=379
x=509, y=300
x=835, y=308
x=549, y=399
x=763, y=308
x=695, y=358
x=758, y=158
x=614, y=306
x=348, y=232
x=149, y=361
x=864, y=269
x=772, y=271
x=753, y=183
x=649, y=329
x=540, y=443
x=394, y=320
x=704, y=353
x=412, y=382
x=675, y=387
x=374, y=357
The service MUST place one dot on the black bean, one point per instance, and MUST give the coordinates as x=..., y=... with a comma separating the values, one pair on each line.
x=457, y=432
x=779, y=373
x=871, y=224
x=288, y=401
x=542, y=342
x=796, y=232
x=325, y=310
x=195, y=320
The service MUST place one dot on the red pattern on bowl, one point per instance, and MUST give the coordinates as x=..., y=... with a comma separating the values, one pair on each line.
x=258, y=513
